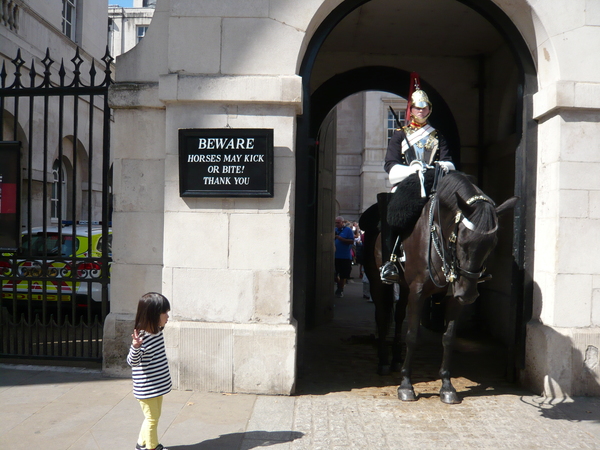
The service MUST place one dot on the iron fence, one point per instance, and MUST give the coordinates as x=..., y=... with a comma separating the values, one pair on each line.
x=55, y=234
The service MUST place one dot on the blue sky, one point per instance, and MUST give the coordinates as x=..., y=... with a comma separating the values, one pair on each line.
x=123, y=3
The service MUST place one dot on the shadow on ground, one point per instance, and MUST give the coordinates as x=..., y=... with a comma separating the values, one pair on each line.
x=250, y=439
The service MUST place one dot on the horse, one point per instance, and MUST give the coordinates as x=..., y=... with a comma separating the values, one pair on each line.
x=454, y=233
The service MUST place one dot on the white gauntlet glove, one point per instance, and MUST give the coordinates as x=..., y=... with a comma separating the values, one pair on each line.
x=446, y=166
x=399, y=172
x=418, y=166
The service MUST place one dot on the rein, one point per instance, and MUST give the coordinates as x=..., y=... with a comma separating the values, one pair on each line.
x=450, y=264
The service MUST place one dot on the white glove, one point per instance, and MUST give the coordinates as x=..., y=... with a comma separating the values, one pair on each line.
x=446, y=166
x=399, y=172
x=418, y=165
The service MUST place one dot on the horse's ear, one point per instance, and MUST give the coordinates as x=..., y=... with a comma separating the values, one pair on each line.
x=466, y=209
x=507, y=205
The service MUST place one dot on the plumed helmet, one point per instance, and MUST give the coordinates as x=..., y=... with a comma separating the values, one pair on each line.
x=419, y=99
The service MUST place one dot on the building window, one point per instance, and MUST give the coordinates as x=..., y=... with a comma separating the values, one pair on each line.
x=141, y=32
x=149, y=3
x=69, y=18
x=391, y=124
x=58, y=200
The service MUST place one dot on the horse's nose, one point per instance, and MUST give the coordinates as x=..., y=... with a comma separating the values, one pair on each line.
x=466, y=291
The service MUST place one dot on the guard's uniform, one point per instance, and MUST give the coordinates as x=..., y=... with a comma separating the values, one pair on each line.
x=416, y=145
x=427, y=145
x=411, y=149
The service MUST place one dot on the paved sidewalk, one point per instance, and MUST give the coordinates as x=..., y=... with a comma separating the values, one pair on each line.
x=341, y=403
x=60, y=410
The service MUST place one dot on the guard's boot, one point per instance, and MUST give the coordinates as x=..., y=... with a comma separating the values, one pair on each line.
x=389, y=273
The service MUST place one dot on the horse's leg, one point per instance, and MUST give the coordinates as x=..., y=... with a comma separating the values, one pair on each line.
x=400, y=314
x=384, y=302
x=406, y=392
x=382, y=296
x=447, y=392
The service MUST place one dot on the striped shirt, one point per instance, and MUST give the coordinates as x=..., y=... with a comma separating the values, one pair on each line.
x=150, y=368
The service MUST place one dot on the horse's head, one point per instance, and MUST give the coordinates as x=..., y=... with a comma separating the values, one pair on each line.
x=475, y=237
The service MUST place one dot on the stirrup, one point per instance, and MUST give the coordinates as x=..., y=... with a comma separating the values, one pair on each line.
x=402, y=256
x=389, y=273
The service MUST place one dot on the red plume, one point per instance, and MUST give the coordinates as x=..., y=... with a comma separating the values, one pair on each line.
x=415, y=83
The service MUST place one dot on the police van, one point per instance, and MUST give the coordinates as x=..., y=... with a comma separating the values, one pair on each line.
x=43, y=266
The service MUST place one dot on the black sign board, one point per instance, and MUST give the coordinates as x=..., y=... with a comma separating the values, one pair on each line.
x=226, y=162
x=10, y=192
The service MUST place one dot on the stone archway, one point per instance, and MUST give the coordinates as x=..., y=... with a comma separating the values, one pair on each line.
x=328, y=79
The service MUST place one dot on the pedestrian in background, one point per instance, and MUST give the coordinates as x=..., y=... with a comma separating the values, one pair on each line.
x=150, y=368
x=344, y=239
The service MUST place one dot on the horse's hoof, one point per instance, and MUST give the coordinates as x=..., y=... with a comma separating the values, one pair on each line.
x=449, y=397
x=384, y=370
x=407, y=394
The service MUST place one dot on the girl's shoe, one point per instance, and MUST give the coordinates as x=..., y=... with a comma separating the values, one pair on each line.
x=160, y=447
x=139, y=447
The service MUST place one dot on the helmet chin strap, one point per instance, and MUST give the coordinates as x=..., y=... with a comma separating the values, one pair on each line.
x=421, y=120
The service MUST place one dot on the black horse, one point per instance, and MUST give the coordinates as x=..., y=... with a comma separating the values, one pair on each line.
x=446, y=247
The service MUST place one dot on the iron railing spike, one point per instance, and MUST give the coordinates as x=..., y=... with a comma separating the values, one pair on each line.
x=107, y=59
x=93, y=72
x=77, y=61
x=47, y=61
x=62, y=72
x=18, y=63
x=32, y=74
x=3, y=75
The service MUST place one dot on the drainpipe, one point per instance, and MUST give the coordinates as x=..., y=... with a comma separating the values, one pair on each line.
x=122, y=31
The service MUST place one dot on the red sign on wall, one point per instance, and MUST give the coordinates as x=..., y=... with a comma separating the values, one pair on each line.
x=10, y=183
x=8, y=197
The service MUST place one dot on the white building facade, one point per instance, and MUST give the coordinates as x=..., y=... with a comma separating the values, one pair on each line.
x=515, y=90
x=364, y=126
x=128, y=26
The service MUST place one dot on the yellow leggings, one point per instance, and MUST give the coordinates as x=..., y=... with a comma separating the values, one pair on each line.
x=151, y=407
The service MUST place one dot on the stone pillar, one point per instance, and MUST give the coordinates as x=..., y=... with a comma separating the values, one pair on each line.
x=563, y=337
x=138, y=213
x=225, y=264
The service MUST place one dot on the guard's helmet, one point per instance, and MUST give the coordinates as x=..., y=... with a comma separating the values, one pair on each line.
x=419, y=99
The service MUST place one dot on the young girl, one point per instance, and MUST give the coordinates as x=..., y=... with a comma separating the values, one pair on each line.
x=150, y=369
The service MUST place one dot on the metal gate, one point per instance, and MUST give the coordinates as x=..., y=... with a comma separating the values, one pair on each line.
x=55, y=235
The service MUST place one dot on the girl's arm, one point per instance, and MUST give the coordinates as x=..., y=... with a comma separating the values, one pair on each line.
x=136, y=339
x=134, y=358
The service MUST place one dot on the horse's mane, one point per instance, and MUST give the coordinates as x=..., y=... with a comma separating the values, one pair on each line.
x=484, y=215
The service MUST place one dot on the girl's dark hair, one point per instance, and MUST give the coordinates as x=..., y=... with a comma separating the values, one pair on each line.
x=150, y=307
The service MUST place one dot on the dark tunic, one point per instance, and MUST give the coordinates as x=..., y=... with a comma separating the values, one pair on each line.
x=394, y=155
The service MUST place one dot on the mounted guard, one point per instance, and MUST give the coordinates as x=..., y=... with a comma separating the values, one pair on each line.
x=413, y=149
x=444, y=231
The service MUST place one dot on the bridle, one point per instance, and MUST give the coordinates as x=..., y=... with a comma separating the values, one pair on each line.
x=450, y=264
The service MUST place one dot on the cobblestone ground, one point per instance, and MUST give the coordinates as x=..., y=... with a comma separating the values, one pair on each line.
x=507, y=421
x=342, y=403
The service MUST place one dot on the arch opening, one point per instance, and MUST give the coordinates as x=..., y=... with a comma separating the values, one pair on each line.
x=478, y=72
